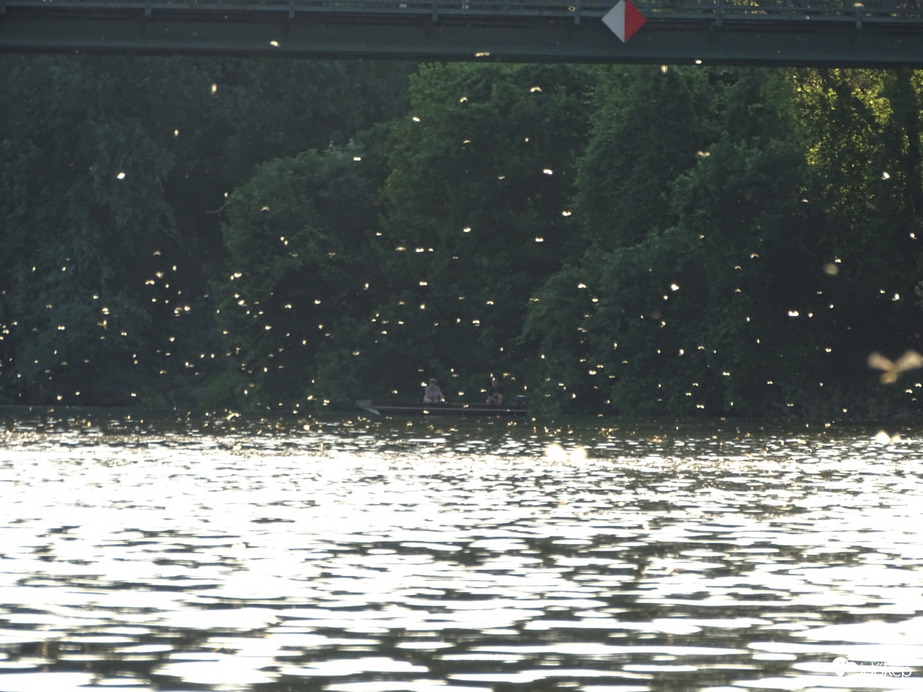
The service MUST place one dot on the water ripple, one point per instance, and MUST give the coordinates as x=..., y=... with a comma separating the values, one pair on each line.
x=151, y=552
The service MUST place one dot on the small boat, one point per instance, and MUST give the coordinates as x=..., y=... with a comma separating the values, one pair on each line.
x=398, y=408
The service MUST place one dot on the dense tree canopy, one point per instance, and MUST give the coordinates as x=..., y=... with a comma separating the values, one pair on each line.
x=476, y=214
x=113, y=176
x=301, y=266
x=606, y=239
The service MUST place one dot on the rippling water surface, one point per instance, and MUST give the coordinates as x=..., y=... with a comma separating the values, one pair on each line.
x=147, y=553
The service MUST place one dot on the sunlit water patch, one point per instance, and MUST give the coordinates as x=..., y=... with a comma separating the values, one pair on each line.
x=155, y=553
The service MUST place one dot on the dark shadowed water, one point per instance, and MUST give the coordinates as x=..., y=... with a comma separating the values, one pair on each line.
x=149, y=553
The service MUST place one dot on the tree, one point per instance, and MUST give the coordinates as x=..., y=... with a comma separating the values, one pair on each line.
x=83, y=228
x=647, y=126
x=783, y=254
x=864, y=154
x=476, y=213
x=300, y=276
x=692, y=313
x=110, y=185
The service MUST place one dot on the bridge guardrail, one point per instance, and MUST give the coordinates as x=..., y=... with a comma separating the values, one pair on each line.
x=894, y=10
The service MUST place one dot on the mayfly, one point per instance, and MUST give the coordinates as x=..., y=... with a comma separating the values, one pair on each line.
x=891, y=371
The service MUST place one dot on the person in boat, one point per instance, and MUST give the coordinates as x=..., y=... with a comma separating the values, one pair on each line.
x=495, y=394
x=432, y=394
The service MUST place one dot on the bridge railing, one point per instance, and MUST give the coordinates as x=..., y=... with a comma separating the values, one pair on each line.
x=889, y=10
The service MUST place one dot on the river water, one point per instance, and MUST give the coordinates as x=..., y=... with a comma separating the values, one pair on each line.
x=151, y=552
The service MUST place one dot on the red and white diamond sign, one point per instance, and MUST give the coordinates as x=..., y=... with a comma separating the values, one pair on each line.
x=624, y=20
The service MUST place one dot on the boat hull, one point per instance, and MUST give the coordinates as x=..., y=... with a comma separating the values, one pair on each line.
x=397, y=408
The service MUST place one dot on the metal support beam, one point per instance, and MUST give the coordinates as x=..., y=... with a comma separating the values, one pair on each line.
x=440, y=30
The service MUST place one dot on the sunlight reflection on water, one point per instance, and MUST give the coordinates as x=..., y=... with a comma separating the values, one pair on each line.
x=224, y=554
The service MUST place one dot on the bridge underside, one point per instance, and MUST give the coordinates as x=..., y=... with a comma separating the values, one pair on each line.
x=455, y=34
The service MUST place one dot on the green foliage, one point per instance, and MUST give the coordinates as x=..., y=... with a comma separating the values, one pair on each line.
x=300, y=260
x=555, y=330
x=647, y=127
x=111, y=176
x=609, y=239
x=224, y=392
x=79, y=238
x=720, y=303
x=864, y=179
x=476, y=213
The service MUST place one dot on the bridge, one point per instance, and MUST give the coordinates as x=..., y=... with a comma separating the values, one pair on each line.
x=843, y=33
